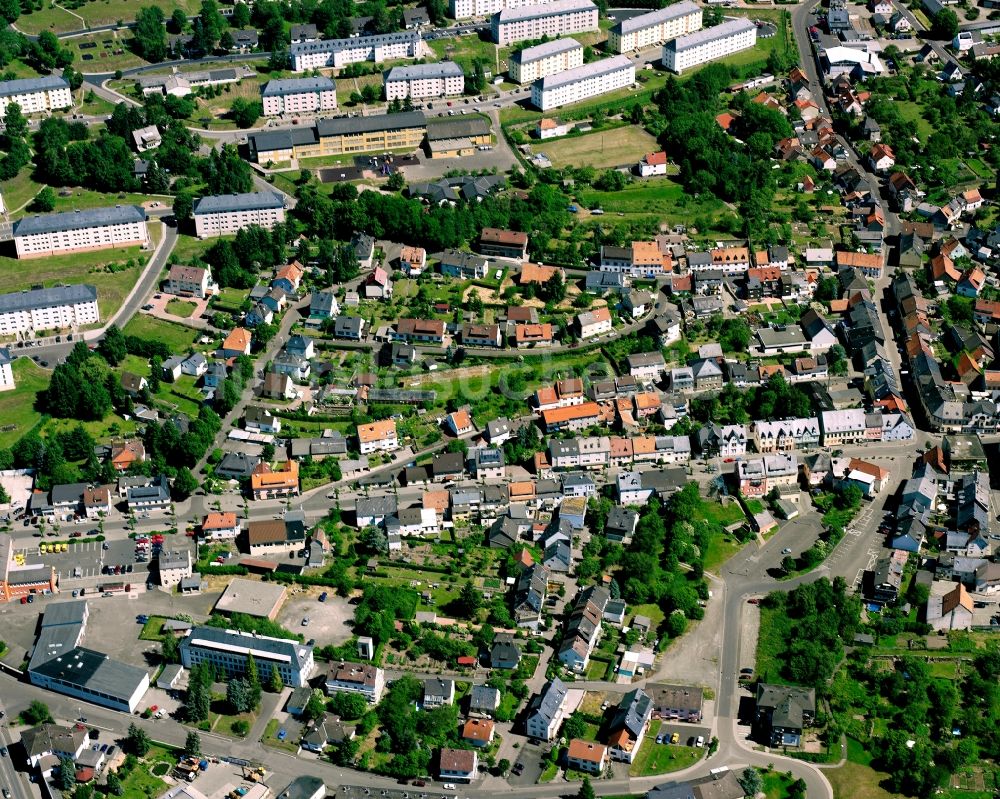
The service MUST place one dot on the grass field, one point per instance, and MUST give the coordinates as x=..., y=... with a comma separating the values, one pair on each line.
x=188, y=248
x=23, y=189
x=106, y=51
x=612, y=148
x=216, y=109
x=181, y=308
x=774, y=626
x=856, y=779
x=93, y=14
x=141, y=782
x=611, y=103
x=661, y=196
x=17, y=407
x=112, y=287
x=177, y=337
x=910, y=111
x=464, y=49
x=654, y=758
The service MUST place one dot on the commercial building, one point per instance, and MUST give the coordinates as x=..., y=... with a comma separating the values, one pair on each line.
x=299, y=96
x=440, y=79
x=339, y=136
x=80, y=231
x=454, y=138
x=17, y=579
x=710, y=44
x=227, y=214
x=36, y=95
x=48, y=309
x=655, y=27
x=590, y=80
x=356, y=678
x=251, y=598
x=550, y=58
x=550, y=19
x=228, y=650
x=341, y=52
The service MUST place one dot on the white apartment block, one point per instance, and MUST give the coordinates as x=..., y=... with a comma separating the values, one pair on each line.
x=464, y=9
x=36, y=95
x=228, y=650
x=341, y=52
x=80, y=231
x=551, y=19
x=6, y=372
x=655, y=27
x=590, y=80
x=48, y=309
x=550, y=58
x=226, y=214
x=299, y=96
x=710, y=44
x=443, y=79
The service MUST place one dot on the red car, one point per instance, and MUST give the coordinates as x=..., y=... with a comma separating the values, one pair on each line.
x=77, y=534
x=753, y=601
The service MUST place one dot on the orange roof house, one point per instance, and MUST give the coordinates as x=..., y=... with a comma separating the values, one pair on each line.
x=266, y=482
x=125, y=454
x=376, y=431
x=292, y=273
x=533, y=334
x=218, y=521
x=943, y=267
x=237, y=342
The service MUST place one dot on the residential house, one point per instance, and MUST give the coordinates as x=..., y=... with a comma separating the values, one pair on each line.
x=268, y=483
x=458, y=764
x=438, y=692
x=546, y=711
x=784, y=712
x=260, y=419
x=594, y=323
x=587, y=756
x=629, y=725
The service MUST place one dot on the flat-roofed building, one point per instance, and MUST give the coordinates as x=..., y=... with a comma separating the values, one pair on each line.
x=251, y=598
x=338, y=53
x=439, y=79
x=340, y=135
x=710, y=44
x=581, y=83
x=549, y=58
x=550, y=19
x=56, y=308
x=36, y=95
x=228, y=650
x=81, y=231
x=655, y=27
x=299, y=96
x=93, y=677
x=227, y=214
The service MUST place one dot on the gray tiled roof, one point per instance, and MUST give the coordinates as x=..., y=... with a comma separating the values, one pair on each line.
x=338, y=126
x=591, y=70
x=531, y=54
x=222, y=203
x=77, y=220
x=330, y=45
x=276, y=88
x=25, y=85
x=633, y=24
x=440, y=69
x=728, y=28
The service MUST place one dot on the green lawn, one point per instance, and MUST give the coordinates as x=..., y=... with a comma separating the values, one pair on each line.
x=181, y=308
x=17, y=407
x=152, y=630
x=188, y=248
x=113, y=51
x=72, y=199
x=177, y=337
x=910, y=111
x=774, y=631
x=141, y=782
x=93, y=14
x=654, y=758
x=653, y=612
x=464, y=49
x=663, y=197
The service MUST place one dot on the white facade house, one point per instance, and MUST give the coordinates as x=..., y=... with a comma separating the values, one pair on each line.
x=6, y=373
x=464, y=9
x=550, y=58
x=36, y=95
x=299, y=96
x=551, y=19
x=338, y=53
x=56, y=308
x=80, y=231
x=710, y=44
x=442, y=79
x=228, y=651
x=655, y=27
x=226, y=214
x=584, y=82
x=188, y=281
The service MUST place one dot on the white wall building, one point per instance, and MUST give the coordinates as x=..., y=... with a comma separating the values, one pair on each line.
x=655, y=27
x=36, y=95
x=551, y=19
x=710, y=44
x=341, y=52
x=226, y=214
x=80, y=231
x=550, y=58
x=464, y=9
x=228, y=651
x=6, y=373
x=442, y=79
x=590, y=80
x=298, y=96
x=48, y=309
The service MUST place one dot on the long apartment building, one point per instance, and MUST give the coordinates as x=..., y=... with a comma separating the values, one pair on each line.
x=299, y=96
x=226, y=214
x=56, y=308
x=36, y=95
x=228, y=650
x=655, y=27
x=710, y=44
x=339, y=136
x=341, y=52
x=464, y=9
x=550, y=19
x=550, y=58
x=589, y=80
x=80, y=231
x=441, y=79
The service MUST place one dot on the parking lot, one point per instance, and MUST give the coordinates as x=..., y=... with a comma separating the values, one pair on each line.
x=686, y=733
x=530, y=758
x=329, y=622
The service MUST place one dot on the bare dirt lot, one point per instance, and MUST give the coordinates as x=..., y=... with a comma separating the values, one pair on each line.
x=329, y=622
